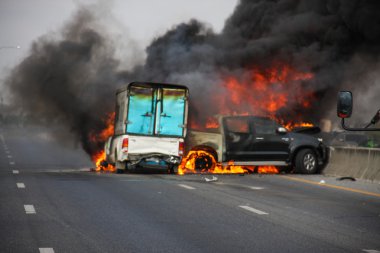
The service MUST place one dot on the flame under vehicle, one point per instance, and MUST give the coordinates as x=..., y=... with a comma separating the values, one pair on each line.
x=150, y=127
x=256, y=141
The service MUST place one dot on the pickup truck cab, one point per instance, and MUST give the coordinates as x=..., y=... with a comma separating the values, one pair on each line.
x=258, y=141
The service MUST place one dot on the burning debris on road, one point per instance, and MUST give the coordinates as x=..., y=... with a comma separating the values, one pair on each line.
x=281, y=59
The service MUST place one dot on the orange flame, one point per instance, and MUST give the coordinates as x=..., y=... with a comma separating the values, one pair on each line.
x=99, y=158
x=267, y=170
x=212, y=123
x=100, y=163
x=290, y=126
x=262, y=92
x=190, y=165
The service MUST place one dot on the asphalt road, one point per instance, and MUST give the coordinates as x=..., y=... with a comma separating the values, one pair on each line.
x=51, y=203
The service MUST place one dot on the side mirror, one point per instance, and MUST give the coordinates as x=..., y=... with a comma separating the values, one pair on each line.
x=281, y=130
x=344, y=106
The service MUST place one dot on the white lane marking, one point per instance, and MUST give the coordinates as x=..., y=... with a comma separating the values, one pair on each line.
x=46, y=250
x=20, y=185
x=7, y=152
x=29, y=209
x=186, y=187
x=371, y=251
x=9, y=156
x=12, y=163
x=15, y=171
x=251, y=209
x=256, y=188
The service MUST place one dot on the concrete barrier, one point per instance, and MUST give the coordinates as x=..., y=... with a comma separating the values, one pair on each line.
x=363, y=163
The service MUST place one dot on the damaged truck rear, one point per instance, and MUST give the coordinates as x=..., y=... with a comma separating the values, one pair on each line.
x=150, y=127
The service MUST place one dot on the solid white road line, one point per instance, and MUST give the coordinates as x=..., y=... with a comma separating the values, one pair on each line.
x=29, y=209
x=46, y=250
x=371, y=251
x=15, y=171
x=256, y=188
x=248, y=208
x=20, y=185
x=186, y=187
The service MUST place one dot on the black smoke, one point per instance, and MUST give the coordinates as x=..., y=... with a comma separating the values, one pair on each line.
x=337, y=41
x=69, y=81
x=72, y=80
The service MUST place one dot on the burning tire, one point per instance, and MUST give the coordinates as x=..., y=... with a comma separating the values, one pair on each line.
x=306, y=162
x=205, y=158
x=204, y=162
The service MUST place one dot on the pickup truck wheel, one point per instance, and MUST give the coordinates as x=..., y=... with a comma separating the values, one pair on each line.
x=204, y=163
x=306, y=162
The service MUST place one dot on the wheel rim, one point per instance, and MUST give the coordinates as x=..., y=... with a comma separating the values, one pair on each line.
x=203, y=163
x=309, y=162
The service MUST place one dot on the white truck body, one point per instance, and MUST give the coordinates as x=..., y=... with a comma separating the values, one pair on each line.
x=150, y=126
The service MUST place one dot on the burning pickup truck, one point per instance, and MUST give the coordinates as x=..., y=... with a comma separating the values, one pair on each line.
x=249, y=142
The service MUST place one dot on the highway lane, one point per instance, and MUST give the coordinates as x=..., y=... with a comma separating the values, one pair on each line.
x=79, y=211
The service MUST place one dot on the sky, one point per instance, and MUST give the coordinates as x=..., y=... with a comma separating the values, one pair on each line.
x=23, y=21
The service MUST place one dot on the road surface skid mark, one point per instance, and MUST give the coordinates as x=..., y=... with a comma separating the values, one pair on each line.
x=201, y=161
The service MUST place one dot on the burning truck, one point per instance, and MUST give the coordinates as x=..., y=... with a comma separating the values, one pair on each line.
x=241, y=144
x=150, y=131
x=150, y=127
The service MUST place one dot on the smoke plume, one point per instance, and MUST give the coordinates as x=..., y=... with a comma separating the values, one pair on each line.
x=72, y=80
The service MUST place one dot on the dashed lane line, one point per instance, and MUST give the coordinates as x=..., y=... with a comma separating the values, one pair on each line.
x=46, y=250
x=186, y=186
x=256, y=188
x=253, y=210
x=15, y=172
x=12, y=163
x=20, y=185
x=9, y=156
x=29, y=209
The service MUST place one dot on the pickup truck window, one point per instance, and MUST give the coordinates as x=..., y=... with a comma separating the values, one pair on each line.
x=265, y=126
x=238, y=125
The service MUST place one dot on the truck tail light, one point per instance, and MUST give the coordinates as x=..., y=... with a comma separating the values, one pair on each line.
x=181, y=148
x=125, y=144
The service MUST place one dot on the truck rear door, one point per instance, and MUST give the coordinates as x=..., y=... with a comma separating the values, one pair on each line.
x=156, y=119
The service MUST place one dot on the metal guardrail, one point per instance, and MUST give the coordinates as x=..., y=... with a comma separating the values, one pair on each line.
x=357, y=162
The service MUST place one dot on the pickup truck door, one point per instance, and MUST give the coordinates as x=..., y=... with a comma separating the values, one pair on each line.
x=239, y=139
x=268, y=145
